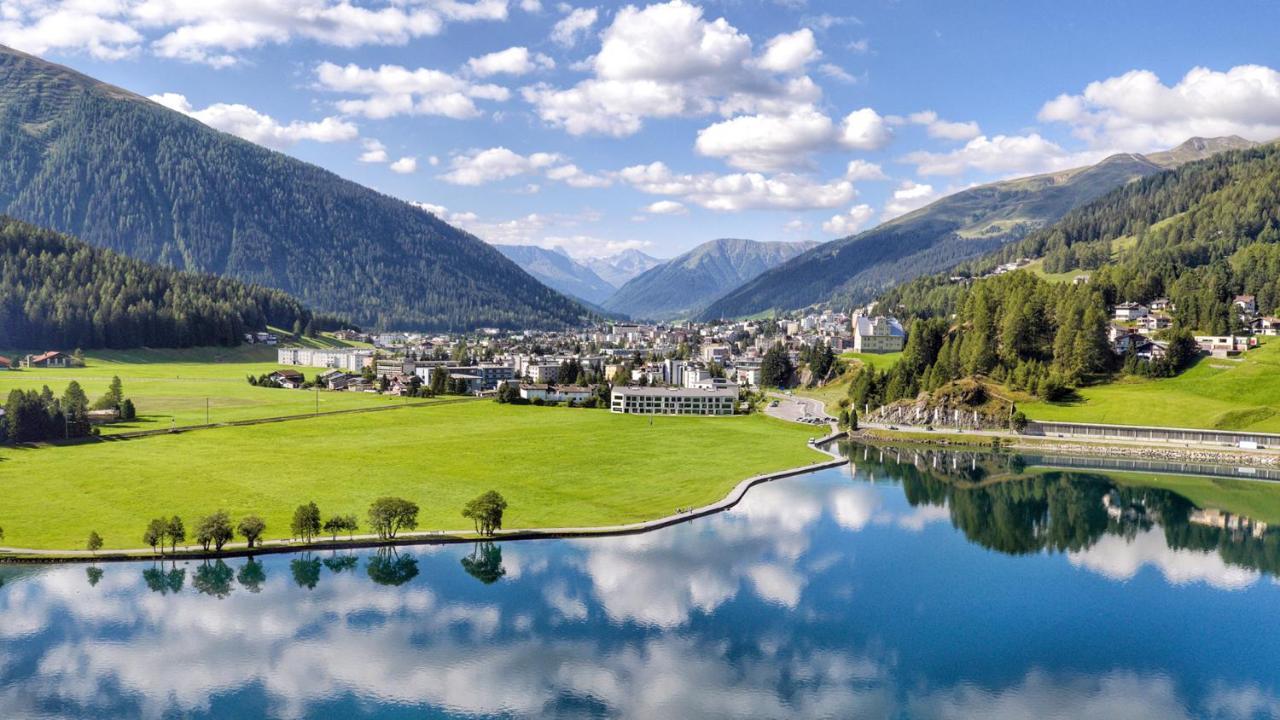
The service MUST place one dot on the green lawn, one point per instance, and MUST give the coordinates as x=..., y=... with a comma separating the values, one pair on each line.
x=830, y=394
x=556, y=466
x=882, y=361
x=172, y=386
x=1252, y=499
x=1239, y=394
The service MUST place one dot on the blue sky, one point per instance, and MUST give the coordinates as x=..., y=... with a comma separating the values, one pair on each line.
x=657, y=126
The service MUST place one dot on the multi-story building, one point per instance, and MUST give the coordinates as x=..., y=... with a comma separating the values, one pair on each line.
x=350, y=359
x=878, y=335
x=672, y=401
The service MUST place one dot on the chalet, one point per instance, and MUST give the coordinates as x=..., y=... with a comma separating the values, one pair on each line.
x=1248, y=304
x=1131, y=340
x=1221, y=346
x=50, y=359
x=1161, y=304
x=1152, y=349
x=401, y=384
x=335, y=379
x=7, y=363
x=289, y=379
x=1153, y=323
x=1268, y=325
x=1128, y=311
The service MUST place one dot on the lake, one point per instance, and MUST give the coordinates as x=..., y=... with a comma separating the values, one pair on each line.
x=909, y=584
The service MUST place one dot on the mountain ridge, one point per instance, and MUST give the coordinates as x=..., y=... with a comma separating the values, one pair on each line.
x=560, y=272
x=120, y=172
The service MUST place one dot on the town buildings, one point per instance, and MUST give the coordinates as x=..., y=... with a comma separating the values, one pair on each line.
x=672, y=401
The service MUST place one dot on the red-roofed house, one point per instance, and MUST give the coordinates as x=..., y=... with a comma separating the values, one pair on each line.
x=50, y=359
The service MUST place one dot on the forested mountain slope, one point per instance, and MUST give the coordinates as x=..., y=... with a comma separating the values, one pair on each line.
x=685, y=284
x=124, y=173
x=58, y=292
x=950, y=231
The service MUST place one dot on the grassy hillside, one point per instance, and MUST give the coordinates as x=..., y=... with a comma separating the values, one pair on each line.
x=1239, y=394
x=556, y=467
x=129, y=175
x=171, y=387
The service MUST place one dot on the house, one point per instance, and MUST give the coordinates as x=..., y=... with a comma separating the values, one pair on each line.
x=7, y=363
x=1128, y=311
x=1248, y=304
x=1131, y=340
x=336, y=379
x=878, y=335
x=555, y=393
x=1268, y=325
x=1161, y=304
x=1152, y=323
x=1080, y=279
x=1221, y=346
x=672, y=401
x=290, y=379
x=49, y=359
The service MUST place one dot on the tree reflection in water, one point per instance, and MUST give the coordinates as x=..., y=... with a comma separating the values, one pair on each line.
x=252, y=575
x=485, y=563
x=164, y=581
x=341, y=563
x=306, y=571
x=389, y=567
x=213, y=579
x=94, y=573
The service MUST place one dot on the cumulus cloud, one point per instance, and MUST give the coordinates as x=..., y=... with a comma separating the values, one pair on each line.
x=374, y=152
x=790, y=52
x=391, y=90
x=936, y=127
x=243, y=121
x=512, y=61
x=739, y=191
x=863, y=170
x=1003, y=154
x=485, y=166
x=573, y=26
x=1137, y=112
x=909, y=196
x=574, y=176
x=666, y=207
x=773, y=142
x=217, y=32
x=1120, y=558
x=405, y=165
x=667, y=60
x=850, y=222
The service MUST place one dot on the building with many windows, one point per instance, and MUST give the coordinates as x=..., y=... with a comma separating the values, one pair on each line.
x=349, y=359
x=878, y=335
x=672, y=401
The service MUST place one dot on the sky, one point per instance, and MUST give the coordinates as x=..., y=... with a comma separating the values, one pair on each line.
x=597, y=128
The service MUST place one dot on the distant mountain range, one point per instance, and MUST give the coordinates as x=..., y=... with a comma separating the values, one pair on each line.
x=558, y=271
x=618, y=269
x=123, y=173
x=685, y=284
x=957, y=228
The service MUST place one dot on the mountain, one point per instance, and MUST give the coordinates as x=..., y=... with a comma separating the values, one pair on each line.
x=618, y=269
x=558, y=271
x=58, y=292
x=939, y=236
x=685, y=284
x=124, y=173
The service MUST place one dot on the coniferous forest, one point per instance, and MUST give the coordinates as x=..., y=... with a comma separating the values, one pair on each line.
x=58, y=292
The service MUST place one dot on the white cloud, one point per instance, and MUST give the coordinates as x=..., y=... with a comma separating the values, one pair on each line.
x=938, y=128
x=531, y=6
x=790, y=52
x=405, y=165
x=863, y=170
x=739, y=191
x=909, y=196
x=374, y=152
x=484, y=166
x=865, y=129
x=666, y=60
x=1120, y=558
x=835, y=72
x=391, y=90
x=573, y=26
x=1138, y=113
x=512, y=61
x=243, y=121
x=217, y=32
x=1002, y=154
x=849, y=223
x=574, y=176
x=666, y=207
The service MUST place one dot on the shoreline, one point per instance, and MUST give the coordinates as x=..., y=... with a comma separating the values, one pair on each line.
x=34, y=556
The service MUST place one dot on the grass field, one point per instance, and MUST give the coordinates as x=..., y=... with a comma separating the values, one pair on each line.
x=172, y=386
x=882, y=361
x=1241, y=394
x=556, y=467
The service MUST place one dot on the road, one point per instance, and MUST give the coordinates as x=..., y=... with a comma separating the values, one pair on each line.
x=796, y=409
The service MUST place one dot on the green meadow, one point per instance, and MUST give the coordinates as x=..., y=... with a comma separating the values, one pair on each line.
x=1236, y=394
x=556, y=467
x=175, y=387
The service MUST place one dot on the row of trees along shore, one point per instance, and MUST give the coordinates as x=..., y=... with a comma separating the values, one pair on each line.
x=387, y=517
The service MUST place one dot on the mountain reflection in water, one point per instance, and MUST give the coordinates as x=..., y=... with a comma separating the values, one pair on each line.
x=909, y=584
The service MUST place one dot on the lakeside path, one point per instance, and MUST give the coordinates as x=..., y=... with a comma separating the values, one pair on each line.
x=190, y=552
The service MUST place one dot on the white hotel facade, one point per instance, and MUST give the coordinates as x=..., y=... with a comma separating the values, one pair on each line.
x=672, y=401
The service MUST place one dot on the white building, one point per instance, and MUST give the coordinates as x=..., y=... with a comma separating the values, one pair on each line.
x=1131, y=311
x=715, y=353
x=542, y=372
x=349, y=359
x=555, y=393
x=878, y=335
x=672, y=401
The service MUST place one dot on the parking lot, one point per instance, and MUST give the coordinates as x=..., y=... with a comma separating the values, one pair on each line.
x=797, y=409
